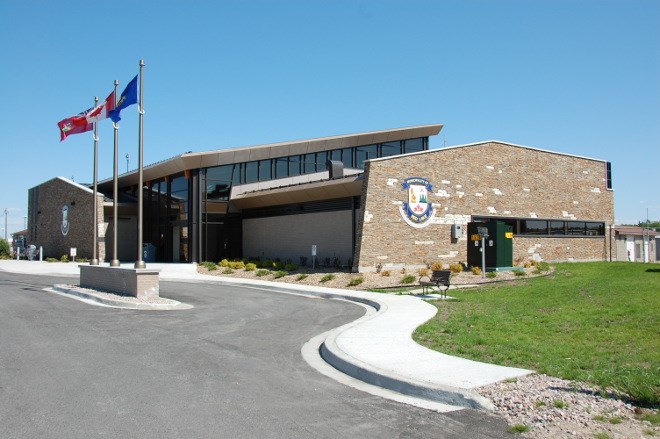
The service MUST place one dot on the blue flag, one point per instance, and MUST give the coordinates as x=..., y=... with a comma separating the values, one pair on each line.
x=128, y=97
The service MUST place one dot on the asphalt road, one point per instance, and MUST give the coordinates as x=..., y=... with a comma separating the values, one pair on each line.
x=230, y=367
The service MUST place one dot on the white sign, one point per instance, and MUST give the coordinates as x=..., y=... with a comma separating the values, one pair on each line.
x=73, y=252
x=314, y=250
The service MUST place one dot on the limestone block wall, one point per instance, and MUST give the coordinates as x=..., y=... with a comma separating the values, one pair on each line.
x=57, y=230
x=485, y=179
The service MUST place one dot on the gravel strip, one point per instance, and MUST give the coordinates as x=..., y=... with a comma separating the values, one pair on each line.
x=556, y=408
x=125, y=299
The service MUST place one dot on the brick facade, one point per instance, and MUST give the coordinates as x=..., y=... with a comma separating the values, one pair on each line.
x=487, y=179
x=45, y=224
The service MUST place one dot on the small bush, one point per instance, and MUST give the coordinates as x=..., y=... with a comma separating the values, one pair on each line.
x=423, y=272
x=491, y=274
x=518, y=428
x=303, y=261
x=280, y=273
x=327, y=277
x=51, y=260
x=266, y=263
x=224, y=263
x=301, y=276
x=250, y=266
x=262, y=273
x=543, y=266
x=82, y=260
x=64, y=258
x=559, y=404
x=456, y=268
x=355, y=281
x=386, y=273
x=290, y=267
x=615, y=420
x=237, y=265
x=210, y=266
x=408, y=279
x=437, y=266
x=227, y=271
x=476, y=271
x=519, y=273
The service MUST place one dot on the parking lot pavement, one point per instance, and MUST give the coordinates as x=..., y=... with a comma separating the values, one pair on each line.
x=230, y=366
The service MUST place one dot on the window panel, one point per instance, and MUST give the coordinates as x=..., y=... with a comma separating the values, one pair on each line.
x=575, y=228
x=265, y=170
x=282, y=167
x=596, y=229
x=414, y=145
x=557, y=228
x=220, y=173
x=294, y=165
x=347, y=157
x=534, y=227
x=390, y=148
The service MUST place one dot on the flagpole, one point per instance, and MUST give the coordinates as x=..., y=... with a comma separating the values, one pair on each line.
x=95, y=260
x=115, y=262
x=140, y=262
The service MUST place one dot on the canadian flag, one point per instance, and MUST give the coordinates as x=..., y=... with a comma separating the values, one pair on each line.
x=101, y=111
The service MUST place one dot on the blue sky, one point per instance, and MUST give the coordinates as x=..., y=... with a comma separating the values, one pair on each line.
x=580, y=77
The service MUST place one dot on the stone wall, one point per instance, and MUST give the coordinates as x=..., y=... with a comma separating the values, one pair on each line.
x=487, y=179
x=59, y=231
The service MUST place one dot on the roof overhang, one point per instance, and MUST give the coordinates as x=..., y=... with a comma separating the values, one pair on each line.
x=317, y=191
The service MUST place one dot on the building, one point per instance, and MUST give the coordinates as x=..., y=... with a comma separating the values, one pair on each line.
x=364, y=201
x=635, y=244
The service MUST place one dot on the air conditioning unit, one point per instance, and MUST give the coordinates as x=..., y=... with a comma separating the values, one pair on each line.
x=457, y=231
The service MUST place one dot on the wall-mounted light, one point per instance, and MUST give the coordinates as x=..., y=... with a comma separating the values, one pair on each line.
x=73, y=203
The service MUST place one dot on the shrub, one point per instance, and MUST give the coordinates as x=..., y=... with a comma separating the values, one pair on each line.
x=437, y=266
x=491, y=274
x=280, y=273
x=386, y=273
x=5, y=250
x=237, y=265
x=327, y=277
x=51, y=260
x=423, y=272
x=210, y=266
x=476, y=271
x=250, y=266
x=456, y=268
x=224, y=263
x=543, y=266
x=519, y=272
x=266, y=263
x=301, y=276
x=262, y=273
x=559, y=404
x=303, y=261
x=518, y=428
x=227, y=271
x=355, y=281
x=408, y=279
x=64, y=258
x=290, y=267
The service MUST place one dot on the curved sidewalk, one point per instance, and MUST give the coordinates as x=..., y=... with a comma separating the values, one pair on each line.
x=377, y=348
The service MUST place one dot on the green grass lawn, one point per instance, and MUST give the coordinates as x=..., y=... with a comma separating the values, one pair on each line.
x=595, y=322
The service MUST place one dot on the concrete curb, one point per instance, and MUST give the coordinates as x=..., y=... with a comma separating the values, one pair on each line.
x=81, y=294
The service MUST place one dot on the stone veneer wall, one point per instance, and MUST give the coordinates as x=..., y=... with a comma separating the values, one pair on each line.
x=45, y=204
x=486, y=179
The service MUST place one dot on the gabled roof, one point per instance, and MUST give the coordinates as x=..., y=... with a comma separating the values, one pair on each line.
x=195, y=160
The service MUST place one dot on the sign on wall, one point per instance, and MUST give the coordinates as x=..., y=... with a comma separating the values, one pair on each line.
x=417, y=211
x=65, y=220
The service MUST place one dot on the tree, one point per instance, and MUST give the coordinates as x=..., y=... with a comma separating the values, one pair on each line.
x=5, y=249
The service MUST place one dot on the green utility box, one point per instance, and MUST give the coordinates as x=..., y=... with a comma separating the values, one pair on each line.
x=499, y=244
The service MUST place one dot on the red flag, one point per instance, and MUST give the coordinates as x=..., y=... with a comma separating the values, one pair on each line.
x=74, y=125
x=102, y=110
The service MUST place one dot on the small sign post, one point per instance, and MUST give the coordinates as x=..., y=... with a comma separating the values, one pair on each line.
x=483, y=231
x=73, y=252
x=314, y=257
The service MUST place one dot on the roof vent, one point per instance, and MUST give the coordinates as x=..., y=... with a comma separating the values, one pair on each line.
x=335, y=168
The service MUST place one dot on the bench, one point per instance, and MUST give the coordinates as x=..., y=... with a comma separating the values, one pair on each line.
x=439, y=279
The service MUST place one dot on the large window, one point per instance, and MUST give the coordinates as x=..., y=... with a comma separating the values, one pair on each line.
x=550, y=228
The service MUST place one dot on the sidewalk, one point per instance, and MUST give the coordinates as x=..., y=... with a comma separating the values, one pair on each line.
x=377, y=348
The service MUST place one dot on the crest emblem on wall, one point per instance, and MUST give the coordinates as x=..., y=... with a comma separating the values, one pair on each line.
x=418, y=211
x=65, y=220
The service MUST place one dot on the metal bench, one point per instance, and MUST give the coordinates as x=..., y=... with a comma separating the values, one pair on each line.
x=439, y=279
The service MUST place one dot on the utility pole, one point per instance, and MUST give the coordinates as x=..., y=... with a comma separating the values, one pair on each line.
x=6, y=225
